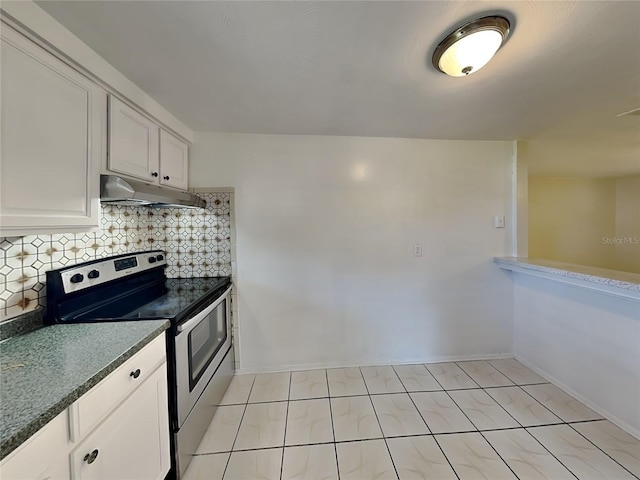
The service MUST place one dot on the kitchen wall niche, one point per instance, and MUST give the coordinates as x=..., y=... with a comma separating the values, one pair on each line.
x=197, y=242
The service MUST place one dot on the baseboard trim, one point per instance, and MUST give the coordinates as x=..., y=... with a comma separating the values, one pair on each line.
x=596, y=408
x=327, y=365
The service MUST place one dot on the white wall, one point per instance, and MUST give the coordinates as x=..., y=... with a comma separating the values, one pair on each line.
x=568, y=218
x=627, y=242
x=586, y=342
x=586, y=221
x=325, y=234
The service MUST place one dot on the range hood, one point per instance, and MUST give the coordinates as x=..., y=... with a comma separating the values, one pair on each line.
x=116, y=190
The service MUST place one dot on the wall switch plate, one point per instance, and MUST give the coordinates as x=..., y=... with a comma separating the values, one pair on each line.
x=417, y=250
x=498, y=221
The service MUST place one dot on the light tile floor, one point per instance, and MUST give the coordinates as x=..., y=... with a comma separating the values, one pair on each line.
x=467, y=420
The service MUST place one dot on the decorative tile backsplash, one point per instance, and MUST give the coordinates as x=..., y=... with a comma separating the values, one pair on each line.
x=197, y=243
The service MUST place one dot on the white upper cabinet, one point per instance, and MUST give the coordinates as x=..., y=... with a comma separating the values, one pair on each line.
x=139, y=148
x=133, y=142
x=174, y=161
x=53, y=119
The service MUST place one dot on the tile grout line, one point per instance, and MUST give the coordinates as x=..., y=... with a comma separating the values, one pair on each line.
x=480, y=432
x=401, y=383
x=497, y=453
x=516, y=385
x=440, y=434
x=525, y=428
x=500, y=405
x=424, y=366
x=333, y=431
x=423, y=419
x=239, y=425
x=286, y=419
x=465, y=372
x=439, y=383
x=548, y=450
x=379, y=424
x=501, y=373
x=409, y=391
x=543, y=405
x=428, y=427
x=602, y=450
x=515, y=382
x=434, y=437
x=516, y=420
x=562, y=422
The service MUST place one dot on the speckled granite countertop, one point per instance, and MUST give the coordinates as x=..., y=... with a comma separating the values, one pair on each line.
x=613, y=278
x=45, y=371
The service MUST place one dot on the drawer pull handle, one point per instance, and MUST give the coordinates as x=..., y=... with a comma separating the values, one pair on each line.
x=91, y=457
x=154, y=174
x=135, y=374
x=166, y=177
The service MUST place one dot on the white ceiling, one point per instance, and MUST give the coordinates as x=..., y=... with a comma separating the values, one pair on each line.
x=364, y=68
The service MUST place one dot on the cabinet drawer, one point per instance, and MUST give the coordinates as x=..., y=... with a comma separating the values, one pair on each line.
x=98, y=402
x=133, y=442
x=43, y=456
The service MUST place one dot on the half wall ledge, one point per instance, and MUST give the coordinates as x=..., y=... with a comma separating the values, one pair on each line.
x=602, y=280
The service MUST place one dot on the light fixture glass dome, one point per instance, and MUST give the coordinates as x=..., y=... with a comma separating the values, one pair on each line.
x=470, y=47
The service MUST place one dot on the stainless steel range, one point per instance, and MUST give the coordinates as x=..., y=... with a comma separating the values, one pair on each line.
x=199, y=347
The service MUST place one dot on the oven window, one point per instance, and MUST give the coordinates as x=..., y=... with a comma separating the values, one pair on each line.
x=205, y=340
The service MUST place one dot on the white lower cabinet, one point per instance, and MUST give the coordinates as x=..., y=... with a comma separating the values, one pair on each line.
x=130, y=443
x=127, y=438
x=43, y=457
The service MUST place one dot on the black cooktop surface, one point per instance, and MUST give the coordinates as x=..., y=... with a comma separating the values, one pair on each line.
x=181, y=297
x=173, y=299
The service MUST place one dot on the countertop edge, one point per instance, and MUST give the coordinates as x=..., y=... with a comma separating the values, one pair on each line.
x=14, y=441
x=600, y=283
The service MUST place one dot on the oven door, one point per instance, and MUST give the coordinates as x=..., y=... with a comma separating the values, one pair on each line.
x=201, y=343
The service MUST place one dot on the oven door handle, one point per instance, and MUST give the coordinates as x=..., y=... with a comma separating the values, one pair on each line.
x=190, y=324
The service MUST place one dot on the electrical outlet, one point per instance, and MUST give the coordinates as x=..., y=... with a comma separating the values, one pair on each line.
x=417, y=250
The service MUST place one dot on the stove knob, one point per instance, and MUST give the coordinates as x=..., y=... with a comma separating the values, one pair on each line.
x=159, y=257
x=93, y=274
x=152, y=259
x=77, y=278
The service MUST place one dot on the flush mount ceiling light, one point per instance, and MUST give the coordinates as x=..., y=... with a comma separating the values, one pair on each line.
x=470, y=47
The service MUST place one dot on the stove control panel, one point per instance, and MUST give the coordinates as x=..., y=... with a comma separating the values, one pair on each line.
x=125, y=263
x=98, y=272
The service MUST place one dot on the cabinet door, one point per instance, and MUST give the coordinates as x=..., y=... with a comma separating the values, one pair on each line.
x=51, y=142
x=174, y=161
x=133, y=142
x=44, y=456
x=132, y=442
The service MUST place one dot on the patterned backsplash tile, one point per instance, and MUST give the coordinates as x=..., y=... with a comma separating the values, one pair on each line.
x=197, y=243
